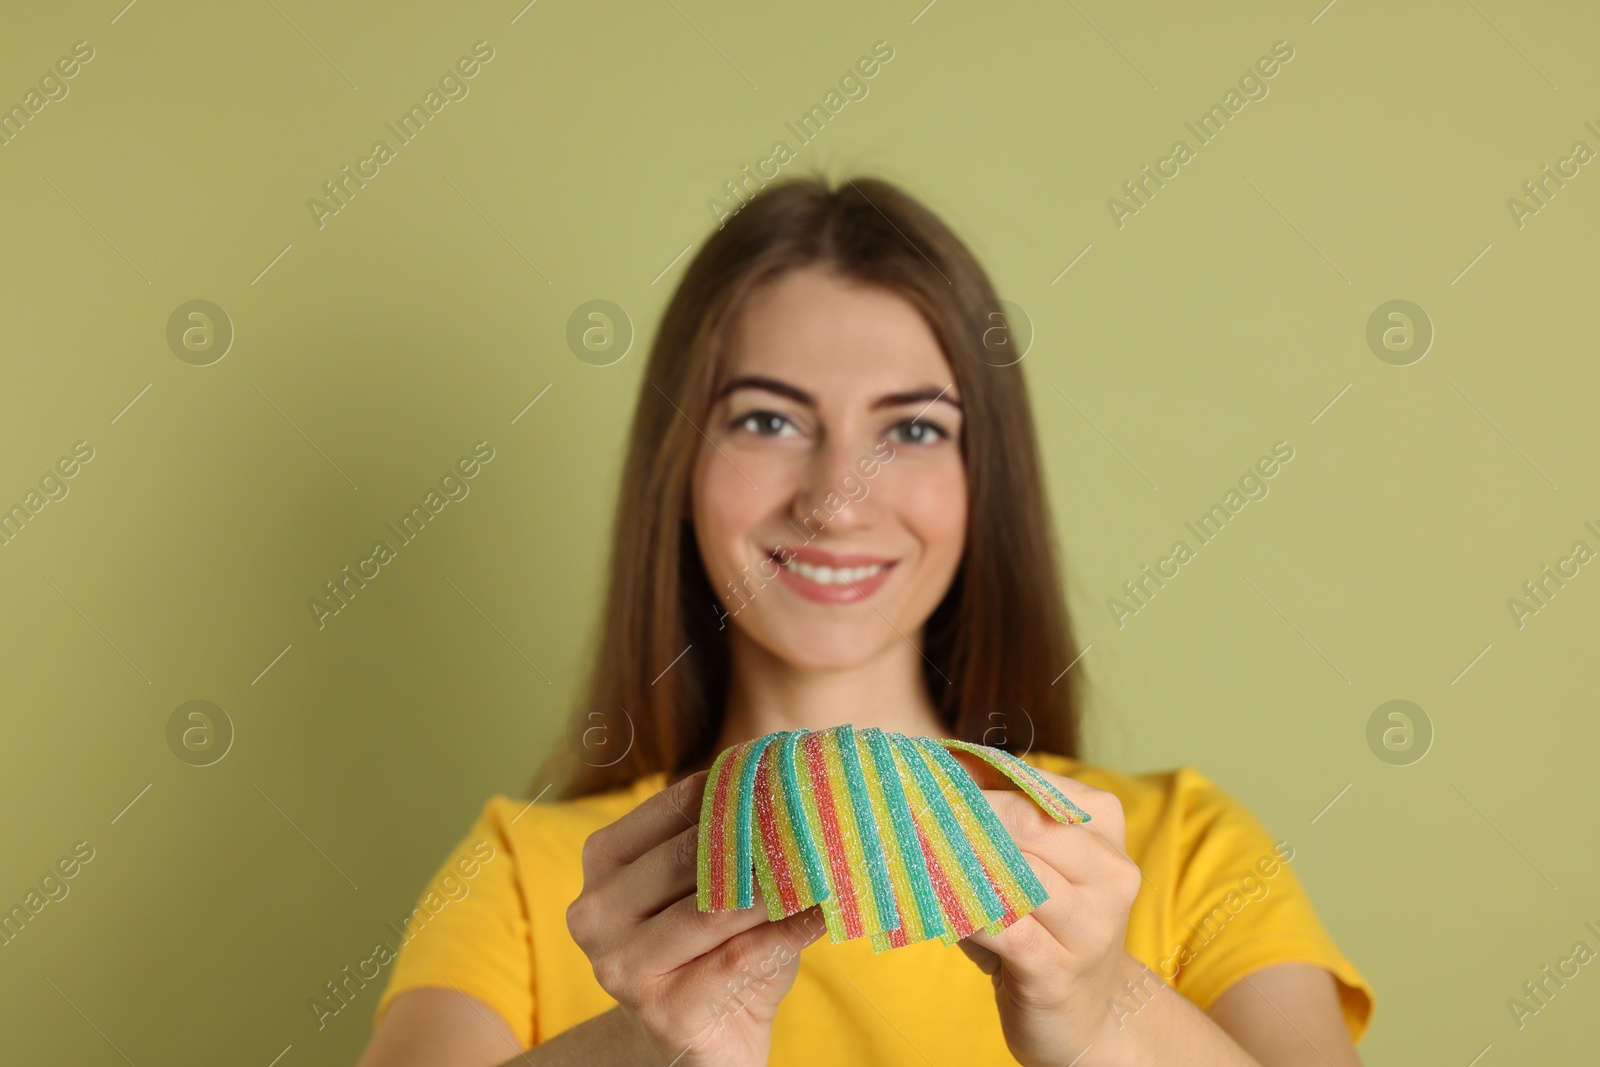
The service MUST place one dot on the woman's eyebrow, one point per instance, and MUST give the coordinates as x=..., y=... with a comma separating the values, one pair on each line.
x=771, y=385
x=927, y=394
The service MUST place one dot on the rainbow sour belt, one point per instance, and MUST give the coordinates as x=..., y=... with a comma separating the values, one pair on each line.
x=889, y=833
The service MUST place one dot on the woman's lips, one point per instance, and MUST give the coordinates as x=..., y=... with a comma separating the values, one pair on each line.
x=833, y=578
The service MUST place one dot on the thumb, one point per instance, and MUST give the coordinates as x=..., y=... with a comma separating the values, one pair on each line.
x=771, y=951
x=791, y=933
x=987, y=960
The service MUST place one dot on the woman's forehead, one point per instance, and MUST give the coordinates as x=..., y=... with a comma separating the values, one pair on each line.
x=825, y=334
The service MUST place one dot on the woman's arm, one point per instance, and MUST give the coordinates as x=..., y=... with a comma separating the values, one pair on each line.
x=1070, y=995
x=446, y=1028
x=1285, y=1015
x=695, y=989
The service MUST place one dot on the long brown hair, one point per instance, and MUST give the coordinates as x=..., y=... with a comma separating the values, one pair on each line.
x=1001, y=635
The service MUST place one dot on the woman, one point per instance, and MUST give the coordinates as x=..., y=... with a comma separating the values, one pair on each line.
x=833, y=511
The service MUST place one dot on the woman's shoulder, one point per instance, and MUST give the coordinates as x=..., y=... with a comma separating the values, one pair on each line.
x=537, y=822
x=1222, y=896
x=1144, y=786
x=1179, y=799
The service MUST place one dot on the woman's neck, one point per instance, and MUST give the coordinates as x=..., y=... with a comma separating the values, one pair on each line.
x=767, y=694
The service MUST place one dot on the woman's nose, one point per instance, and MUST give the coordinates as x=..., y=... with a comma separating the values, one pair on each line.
x=833, y=495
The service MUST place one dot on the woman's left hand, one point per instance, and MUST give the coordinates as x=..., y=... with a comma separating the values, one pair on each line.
x=1058, y=968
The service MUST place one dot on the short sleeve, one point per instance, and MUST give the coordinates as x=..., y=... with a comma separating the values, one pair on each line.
x=1239, y=906
x=469, y=929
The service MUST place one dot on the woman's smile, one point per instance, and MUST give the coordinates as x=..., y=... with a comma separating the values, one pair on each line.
x=831, y=577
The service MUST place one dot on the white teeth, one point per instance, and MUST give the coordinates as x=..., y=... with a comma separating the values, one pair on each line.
x=833, y=575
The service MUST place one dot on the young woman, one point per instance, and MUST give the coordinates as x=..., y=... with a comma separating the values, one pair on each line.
x=833, y=511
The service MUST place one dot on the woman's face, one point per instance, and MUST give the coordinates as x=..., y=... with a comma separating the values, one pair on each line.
x=829, y=495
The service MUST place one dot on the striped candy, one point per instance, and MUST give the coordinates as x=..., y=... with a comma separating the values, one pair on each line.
x=889, y=833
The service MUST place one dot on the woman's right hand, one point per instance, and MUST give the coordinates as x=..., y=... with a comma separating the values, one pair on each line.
x=701, y=988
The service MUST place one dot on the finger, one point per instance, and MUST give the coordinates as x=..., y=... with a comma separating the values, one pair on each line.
x=1104, y=807
x=763, y=953
x=1114, y=835
x=769, y=940
x=1098, y=803
x=1030, y=825
x=1073, y=909
x=1065, y=902
x=988, y=962
x=682, y=933
x=660, y=877
x=755, y=967
x=1106, y=820
x=1076, y=854
x=1026, y=948
x=986, y=774
x=645, y=827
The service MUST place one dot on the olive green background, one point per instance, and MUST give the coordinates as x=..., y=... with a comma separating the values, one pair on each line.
x=1230, y=313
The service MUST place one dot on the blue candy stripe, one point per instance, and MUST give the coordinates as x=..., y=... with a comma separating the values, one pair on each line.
x=743, y=830
x=905, y=833
x=816, y=877
x=867, y=830
x=993, y=907
x=992, y=826
x=1026, y=778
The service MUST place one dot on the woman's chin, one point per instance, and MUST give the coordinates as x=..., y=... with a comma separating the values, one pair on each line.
x=828, y=649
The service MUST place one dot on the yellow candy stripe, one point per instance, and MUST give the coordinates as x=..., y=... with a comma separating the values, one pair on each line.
x=889, y=833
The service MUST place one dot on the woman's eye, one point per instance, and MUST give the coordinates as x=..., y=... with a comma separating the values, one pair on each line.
x=913, y=432
x=765, y=423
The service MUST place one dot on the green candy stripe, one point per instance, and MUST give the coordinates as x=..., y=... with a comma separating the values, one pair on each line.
x=703, y=857
x=815, y=875
x=1055, y=803
x=743, y=831
x=1010, y=855
x=867, y=830
x=1072, y=811
x=912, y=749
x=905, y=833
x=770, y=890
x=811, y=825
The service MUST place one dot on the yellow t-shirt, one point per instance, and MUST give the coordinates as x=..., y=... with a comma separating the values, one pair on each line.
x=1220, y=899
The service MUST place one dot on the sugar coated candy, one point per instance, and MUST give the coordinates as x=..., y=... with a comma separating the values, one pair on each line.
x=888, y=833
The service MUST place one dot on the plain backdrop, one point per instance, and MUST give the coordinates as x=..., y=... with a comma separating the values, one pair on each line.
x=1170, y=351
